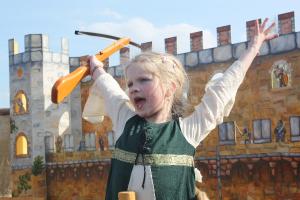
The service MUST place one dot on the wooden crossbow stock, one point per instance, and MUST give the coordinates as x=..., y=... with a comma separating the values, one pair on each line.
x=66, y=84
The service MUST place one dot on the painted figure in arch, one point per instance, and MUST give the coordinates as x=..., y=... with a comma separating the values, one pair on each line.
x=246, y=135
x=282, y=77
x=155, y=141
x=280, y=131
x=101, y=143
x=58, y=144
x=81, y=145
x=282, y=73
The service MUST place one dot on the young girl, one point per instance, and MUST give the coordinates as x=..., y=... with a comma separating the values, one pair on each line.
x=155, y=145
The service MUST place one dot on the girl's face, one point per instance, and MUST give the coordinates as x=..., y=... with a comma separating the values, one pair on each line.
x=147, y=94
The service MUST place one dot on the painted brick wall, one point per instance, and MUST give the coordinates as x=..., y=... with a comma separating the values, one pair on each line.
x=5, y=186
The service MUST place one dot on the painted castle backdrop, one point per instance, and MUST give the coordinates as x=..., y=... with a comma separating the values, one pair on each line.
x=48, y=151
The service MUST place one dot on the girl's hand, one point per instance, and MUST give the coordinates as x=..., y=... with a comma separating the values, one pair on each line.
x=96, y=67
x=261, y=34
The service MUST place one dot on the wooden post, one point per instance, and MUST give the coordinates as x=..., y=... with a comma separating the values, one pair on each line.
x=127, y=195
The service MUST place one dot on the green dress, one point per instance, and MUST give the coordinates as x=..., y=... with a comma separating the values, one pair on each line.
x=164, y=149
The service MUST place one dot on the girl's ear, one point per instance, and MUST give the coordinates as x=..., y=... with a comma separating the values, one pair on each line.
x=171, y=89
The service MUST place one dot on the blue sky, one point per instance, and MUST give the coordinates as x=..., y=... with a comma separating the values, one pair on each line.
x=142, y=21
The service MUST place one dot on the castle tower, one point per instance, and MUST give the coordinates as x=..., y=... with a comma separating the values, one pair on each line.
x=37, y=123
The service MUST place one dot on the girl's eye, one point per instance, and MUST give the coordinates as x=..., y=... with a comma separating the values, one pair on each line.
x=145, y=79
x=129, y=84
x=140, y=80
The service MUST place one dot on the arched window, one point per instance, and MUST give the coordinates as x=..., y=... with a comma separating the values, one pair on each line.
x=20, y=103
x=68, y=142
x=281, y=74
x=21, y=145
x=49, y=143
x=227, y=133
x=110, y=137
x=90, y=141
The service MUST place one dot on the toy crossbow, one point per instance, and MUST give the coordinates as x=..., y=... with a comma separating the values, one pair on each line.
x=66, y=84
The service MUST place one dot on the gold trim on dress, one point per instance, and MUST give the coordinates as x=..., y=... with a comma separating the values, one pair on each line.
x=154, y=159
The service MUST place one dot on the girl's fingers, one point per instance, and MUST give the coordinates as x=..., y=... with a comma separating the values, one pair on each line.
x=256, y=29
x=270, y=37
x=262, y=27
x=268, y=30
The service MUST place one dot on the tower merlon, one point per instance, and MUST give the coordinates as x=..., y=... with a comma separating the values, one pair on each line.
x=196, y=41
x=286, y=23
x=36, y=42
x=224, y=35
x=124, y=55
x=171, y=45
x=146, y=46
x=65, y=45
x=13, y=47
x=250, y=28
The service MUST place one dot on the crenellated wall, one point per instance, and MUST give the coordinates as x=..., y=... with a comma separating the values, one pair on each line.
x=229, y=52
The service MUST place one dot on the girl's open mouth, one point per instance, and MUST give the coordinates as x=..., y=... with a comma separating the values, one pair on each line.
x=139, y=102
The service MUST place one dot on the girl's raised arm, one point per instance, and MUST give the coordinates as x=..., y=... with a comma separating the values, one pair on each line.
x=219, y=97
x=107, y=98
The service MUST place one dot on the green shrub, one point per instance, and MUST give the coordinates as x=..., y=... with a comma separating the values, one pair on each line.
x=23, y=184
x=38, y=165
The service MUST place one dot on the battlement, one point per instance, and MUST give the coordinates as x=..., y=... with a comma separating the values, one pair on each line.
x=225, y=51
x=36, y=48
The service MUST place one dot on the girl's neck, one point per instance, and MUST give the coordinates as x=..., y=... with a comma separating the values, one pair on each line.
x=160, y=116
x=164, y=114
x=158, y=120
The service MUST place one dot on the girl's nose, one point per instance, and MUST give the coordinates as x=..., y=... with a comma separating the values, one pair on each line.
x=133, y=89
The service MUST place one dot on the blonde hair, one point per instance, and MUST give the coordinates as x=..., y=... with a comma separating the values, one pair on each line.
x=169, y=70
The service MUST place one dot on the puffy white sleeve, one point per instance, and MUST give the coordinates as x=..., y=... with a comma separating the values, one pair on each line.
x=216, y=103
x=107, y=98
